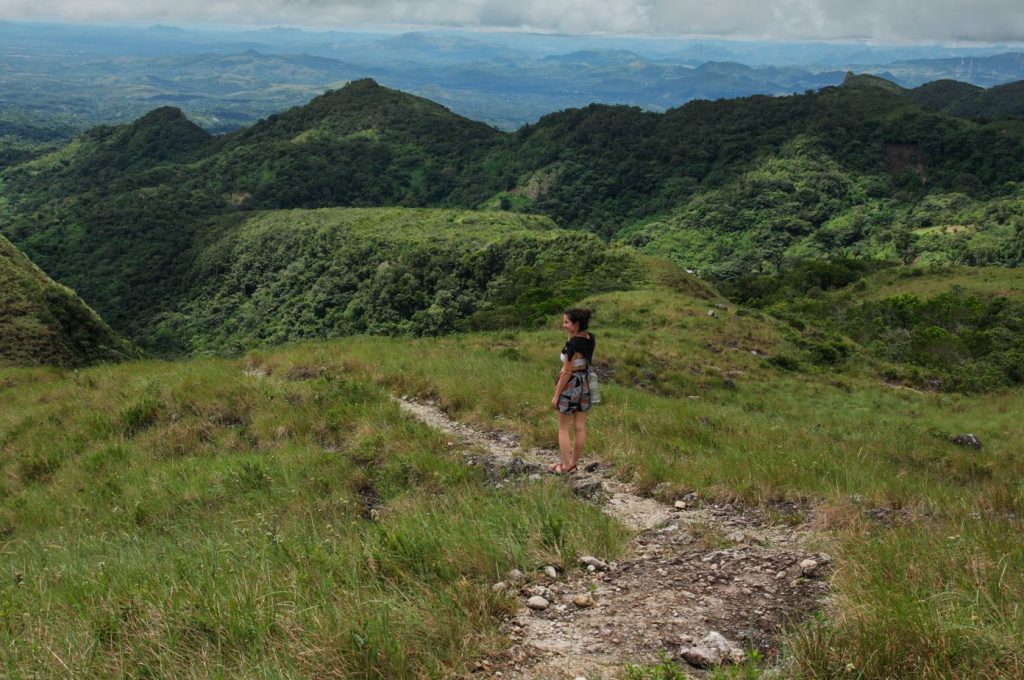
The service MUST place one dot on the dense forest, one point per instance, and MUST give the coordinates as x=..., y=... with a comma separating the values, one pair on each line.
x=126, y=215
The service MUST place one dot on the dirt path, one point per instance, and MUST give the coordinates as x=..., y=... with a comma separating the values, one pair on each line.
x=740, y=572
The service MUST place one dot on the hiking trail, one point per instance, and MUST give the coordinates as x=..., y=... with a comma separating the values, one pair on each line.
x=691, y=570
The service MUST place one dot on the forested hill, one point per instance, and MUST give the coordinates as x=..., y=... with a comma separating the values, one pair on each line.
x=42, y=322
x=361, y=145
x=122, y=214
x=971, y=101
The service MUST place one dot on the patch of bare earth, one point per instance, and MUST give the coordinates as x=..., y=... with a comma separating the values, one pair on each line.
x=739, y=571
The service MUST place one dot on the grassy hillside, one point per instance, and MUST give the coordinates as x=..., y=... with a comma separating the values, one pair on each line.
x=189, y=520
x=230, y=524
x=948, y=328
x=930, y=281
x=42, y=322
x=689, y=407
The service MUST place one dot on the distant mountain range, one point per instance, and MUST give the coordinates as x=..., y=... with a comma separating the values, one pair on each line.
x=72, y=75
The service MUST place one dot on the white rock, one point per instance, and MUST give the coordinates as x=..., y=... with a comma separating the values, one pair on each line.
x=551, y=571
x=713, y=650
x=680, y=505
x=591, y=568
x=499, y=587
x=808, y=567
x=537, y=602
x=515, y=576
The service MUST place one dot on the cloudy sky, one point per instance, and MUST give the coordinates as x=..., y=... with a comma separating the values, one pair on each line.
x=880, y=20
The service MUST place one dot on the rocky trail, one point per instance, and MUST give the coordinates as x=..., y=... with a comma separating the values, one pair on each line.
x=702, y=583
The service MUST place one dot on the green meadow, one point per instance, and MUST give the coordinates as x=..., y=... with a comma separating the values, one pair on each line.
x=189, y=520
x=276, y=516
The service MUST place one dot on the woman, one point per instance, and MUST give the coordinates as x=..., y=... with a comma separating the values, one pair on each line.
x=572, y=390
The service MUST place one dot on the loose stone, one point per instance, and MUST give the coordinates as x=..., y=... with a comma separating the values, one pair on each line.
x=537, y=603
x=591, y=561
x=808, y=567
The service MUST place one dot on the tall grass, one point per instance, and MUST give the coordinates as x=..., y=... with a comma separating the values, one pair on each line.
x=688, y=406
x=187, y=520
x=194, y=520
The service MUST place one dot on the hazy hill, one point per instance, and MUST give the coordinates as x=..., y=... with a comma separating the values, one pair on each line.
x=988, y=70
x=42, y=322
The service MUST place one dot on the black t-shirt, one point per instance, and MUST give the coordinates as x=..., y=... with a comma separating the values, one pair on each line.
x=580, y=345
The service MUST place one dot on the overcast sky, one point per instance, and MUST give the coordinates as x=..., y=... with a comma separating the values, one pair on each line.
x=879, y=20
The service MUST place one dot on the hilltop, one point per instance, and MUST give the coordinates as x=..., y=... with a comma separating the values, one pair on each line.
x=195, y=506
x=970, y=101
x=125, y=214
x=42, y=322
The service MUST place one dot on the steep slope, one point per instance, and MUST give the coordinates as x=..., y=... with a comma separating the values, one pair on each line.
x=42, y=322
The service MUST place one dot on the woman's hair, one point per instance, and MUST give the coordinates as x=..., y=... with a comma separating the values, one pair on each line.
x=580, y=316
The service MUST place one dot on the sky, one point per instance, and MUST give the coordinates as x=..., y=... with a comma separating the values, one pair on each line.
x=876, y=20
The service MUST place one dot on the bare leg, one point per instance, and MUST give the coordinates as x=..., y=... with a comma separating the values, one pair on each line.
x=580, y=432
x=564, y=445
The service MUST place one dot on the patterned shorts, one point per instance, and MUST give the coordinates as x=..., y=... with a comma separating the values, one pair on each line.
x=576, y=395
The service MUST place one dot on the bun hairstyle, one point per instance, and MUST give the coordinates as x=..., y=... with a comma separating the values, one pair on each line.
x=579, y=316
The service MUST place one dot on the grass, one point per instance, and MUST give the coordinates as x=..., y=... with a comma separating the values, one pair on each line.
x=689, y=407
x=195, y=519
x=676, y=420
x=188, y=520
x=934, y=599
x=930, y=281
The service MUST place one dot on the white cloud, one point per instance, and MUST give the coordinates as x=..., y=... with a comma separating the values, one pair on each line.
x=980, y=20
